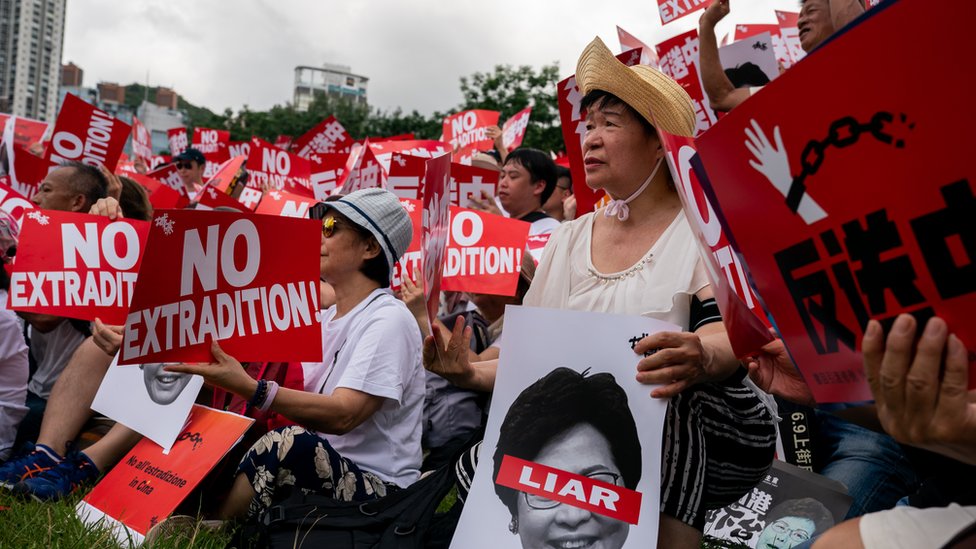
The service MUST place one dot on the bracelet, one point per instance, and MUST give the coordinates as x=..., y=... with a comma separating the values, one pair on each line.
x=259, y=394
x=269, y=398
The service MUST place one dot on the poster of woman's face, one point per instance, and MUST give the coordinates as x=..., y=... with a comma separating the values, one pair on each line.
x=571, y=452
x=148, y=399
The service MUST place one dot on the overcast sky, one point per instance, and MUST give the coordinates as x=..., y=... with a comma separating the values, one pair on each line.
x=221, y=54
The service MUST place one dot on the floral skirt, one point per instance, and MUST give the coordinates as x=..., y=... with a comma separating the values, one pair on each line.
x=302, y=460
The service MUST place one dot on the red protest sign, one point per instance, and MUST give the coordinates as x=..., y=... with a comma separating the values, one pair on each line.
x=249, y=281
x=285, y=204
x=469, y=182
x=327, y=137
x=407, y=176
x=283, y=142
x=468, y=130
x=484, y=252
x=141, y=141
x=168, y=175
x=211, y=198
x=789, y=35
x=161, y=196
x=271, y=167
x=229, y=176
x=12, y=201
x=147, y=484
x=76, y=265
x=536, y=244
x=26, y=171
x=435, y=226
x=239, y=148
x=630, y=42
x=671, y=10
x=158, y=160
x=86, y=134
x=580, y=491
x=745, y=320
x=573, y=122
x=513, y=132
x=411, y=259
x=24, y=132
x=212, y=143
x=679, y=60
x=177, y=140
x=423, y=148
x=328, y=173
x=250, y=197
x=398, y=137
x=854, y=207
x=365, y=173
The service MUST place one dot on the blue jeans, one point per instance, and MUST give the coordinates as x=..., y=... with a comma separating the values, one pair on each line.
x=872, y=465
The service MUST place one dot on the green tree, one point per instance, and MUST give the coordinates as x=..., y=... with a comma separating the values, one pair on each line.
x=510, y=89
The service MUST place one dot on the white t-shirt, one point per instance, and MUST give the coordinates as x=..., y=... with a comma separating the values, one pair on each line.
x=52, y=351
x=376, y=349
x=13, y=376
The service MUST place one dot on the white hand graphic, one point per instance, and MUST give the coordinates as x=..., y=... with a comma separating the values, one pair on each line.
x=774, y=164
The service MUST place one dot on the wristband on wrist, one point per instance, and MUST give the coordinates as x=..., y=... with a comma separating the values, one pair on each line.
x=260, y=394
x=269, y=396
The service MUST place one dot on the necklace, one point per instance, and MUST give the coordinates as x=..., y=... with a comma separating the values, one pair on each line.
x=636, y=268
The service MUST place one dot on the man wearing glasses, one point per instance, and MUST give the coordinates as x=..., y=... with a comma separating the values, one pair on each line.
x=191, y=164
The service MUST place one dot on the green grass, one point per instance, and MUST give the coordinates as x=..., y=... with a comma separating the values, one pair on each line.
x=29, y=525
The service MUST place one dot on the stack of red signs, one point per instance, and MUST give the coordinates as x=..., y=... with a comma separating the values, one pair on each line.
x=86, y=134
x=467, y=131
x=76, y=265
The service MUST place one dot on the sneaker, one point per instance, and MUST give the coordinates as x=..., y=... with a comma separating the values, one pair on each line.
x=32, y=462
x=74, y=471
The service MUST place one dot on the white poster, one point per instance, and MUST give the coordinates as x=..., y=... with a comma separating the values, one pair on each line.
x=147, y=399
x=750, y=62
x=571, y=456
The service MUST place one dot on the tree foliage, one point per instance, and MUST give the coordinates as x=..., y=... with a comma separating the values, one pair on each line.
x=506, y=89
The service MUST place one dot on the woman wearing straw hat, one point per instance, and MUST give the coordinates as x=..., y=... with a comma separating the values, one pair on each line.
x=638, y=256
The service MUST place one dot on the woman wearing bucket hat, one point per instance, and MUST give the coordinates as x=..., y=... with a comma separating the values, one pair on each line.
x=638, y=256
x=358, y=420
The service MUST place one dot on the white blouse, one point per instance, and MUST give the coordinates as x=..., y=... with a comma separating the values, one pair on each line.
x=659, y=285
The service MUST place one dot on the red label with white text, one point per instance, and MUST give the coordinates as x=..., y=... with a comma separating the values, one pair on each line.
x=85, y=134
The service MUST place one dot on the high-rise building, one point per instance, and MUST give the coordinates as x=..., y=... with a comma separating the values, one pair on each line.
x=334, y=80
x=72, y=76
x=31, y=36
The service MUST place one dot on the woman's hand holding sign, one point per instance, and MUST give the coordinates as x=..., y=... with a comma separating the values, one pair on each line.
x=226, y=373
x=675, y=360
x=108, y=338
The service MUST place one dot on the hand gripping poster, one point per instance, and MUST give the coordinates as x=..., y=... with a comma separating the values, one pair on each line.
x=571, y=455
x=851, y=207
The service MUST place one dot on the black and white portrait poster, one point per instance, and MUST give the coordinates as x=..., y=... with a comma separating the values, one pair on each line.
x=147, y=399
x=571, y=455
x=786, y=509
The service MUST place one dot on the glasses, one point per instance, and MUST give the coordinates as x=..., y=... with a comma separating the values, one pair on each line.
x=799, y=535
x=542, y=502
x=184, y=165
x=329, y=226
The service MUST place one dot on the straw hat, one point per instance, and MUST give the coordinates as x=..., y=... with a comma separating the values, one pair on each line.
x=658, y=98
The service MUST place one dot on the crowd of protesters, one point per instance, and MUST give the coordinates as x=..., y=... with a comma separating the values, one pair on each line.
x=396, y=396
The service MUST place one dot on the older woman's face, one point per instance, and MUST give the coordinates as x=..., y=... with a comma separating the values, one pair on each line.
x=618, y=153
x=163, y=387
x=582, y=450
x=342, y=251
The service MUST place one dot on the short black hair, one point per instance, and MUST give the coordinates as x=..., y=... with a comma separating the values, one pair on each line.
x=563, y=171
x=560, y=400
x=134, y=200
x=746, y=75
x=87, y=181
x=540, y=167
x=807, y=508
x=600, y=98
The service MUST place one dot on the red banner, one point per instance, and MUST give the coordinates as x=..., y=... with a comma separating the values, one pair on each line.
x=411, y=259
x=141, y=141
x=630, y=42
x=212, y=143
x=25, y=131
x=789, y=35
x=249, y=281
x=573, y=121
x=435, y=225
x=283, y=142
x=285, y=204
x=484, y=252
x=168, y=175
x=407, y=176
x=365, y=173
x=328, y=174
x=679, y=60
x=86, y=134
x=745, y=320
x=595, y=496
x=469, y=182
x=177, y=140
x=229, y=176
x=855, y=206
x=671, y=10
x=468, y=130
x=424, y=148
x=239, y=148
x=211, y=198
x=12, y=201
x=327, y=137
x=147, y=485
x=271, y=167
x=162, y=196
x=76, y=265
x=513, y=132
x=26, y=171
